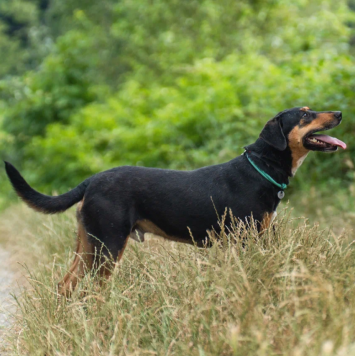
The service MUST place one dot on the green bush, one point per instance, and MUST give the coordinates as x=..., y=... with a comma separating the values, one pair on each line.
x=206, y=117
x=175, y=84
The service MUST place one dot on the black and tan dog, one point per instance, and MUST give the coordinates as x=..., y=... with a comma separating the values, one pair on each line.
x=127, y=202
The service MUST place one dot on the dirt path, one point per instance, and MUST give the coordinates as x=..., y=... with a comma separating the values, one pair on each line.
x=7, y=286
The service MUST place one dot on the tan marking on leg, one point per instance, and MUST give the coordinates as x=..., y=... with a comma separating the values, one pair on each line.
x=82, y=263
x=108, y=266
x=265, y=223
x=268, y=218
x=79, y=207
x=122, y=250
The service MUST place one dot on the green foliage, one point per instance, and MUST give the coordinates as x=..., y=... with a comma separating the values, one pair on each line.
x=17, y=17
x=206, y=117
x=163, y=36
x=51, y=94
x=173, y=84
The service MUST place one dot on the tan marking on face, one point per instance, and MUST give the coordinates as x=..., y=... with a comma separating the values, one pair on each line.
x=305, y=108
x=295, y=142
x=295, y=138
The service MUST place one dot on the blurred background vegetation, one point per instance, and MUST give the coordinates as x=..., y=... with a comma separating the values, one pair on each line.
x=85, y=86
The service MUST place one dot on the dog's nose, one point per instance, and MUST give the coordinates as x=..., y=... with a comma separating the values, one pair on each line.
x=338, y=115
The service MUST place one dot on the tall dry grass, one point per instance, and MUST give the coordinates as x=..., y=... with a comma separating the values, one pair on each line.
x=291, y=292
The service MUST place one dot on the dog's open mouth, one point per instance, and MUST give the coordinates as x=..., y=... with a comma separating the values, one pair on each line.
x=316, y=142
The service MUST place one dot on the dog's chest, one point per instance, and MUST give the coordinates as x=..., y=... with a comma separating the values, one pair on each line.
x=298, y=164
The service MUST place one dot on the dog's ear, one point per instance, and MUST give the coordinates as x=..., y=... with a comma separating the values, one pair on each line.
x=272, y=133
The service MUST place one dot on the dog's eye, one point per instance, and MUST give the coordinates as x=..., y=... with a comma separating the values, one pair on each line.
x=304, y=115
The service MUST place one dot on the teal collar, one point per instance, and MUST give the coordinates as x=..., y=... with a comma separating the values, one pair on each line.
x=282, y=186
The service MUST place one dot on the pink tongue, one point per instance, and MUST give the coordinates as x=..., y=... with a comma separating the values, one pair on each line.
x=331, y=140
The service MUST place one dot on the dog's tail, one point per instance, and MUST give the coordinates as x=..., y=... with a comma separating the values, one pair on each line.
x=44, y=203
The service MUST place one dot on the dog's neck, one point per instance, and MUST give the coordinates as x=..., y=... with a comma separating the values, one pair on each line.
x=276, y=163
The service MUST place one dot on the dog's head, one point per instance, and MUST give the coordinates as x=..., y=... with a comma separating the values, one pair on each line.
x=295, y=129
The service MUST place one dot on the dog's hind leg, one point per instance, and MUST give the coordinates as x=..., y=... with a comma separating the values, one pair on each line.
x=110, y=243
x=83, y=259
x=108, y=231
x=111, y=254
